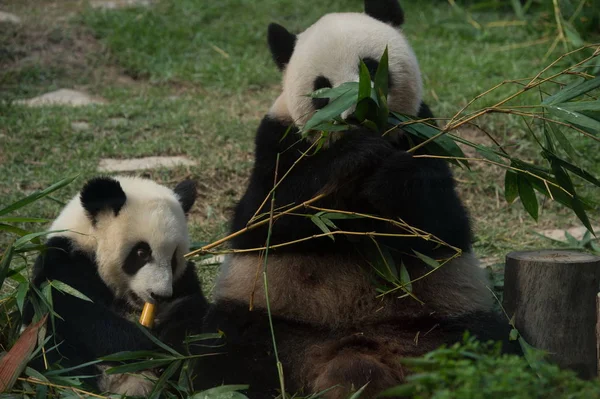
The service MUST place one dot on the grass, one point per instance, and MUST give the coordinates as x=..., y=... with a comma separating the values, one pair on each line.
x=194, y=78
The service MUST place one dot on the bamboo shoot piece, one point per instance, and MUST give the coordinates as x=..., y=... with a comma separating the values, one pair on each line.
x=147, y=317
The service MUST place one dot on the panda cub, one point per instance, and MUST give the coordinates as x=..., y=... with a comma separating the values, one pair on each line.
x=121, y=242
x=332, y=330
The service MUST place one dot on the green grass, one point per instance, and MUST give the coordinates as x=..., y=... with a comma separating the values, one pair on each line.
x=193, y=78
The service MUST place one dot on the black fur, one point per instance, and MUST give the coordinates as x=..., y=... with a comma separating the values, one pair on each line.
x=245, y=354
x=361, y=172
x=281, y=43
x=364, y=173
x=186, y=193
x=102, y=193
x=424, y=111
x=388, y=11
x=88, y=330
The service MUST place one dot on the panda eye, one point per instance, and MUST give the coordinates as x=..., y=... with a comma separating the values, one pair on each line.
x=142, y=253
x=320, y=82
x=139, y=255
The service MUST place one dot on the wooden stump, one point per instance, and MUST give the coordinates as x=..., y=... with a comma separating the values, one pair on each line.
x=552, y=295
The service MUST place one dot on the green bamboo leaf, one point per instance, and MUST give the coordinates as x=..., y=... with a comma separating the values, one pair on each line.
x=5, y=262
x=586, y=239
x=434, y=264
x=364, y=82
x=488, y=153
x=329, y=223
x=222, y=392
x=572, y=34
x=32, y=237
x=518, y=9
x=203, y=337
x=558, y=194
x=331, y=127
x=67, y=289
x=14, y=229
x=579, y=106
x=319, y=223
x=370, y=125
x=577, y=170
x=588, y=124
x=21, y=294
x=356, y=395
x=35, y=374
x=565, y=144
x=573, y=90
x=571, y=240
x=30, y=248
x=139, y=366
x=57, y=372
x=579, y=210
x=442, y=145
x=380, y=83
x=383, y=112
x=366, y=109
x=405, y=277
x=133, y=355
x=37, y=195
x=158, y=342
x=528, y=197
x=164, y=378
x=15, y=274
x=335, y=92
x=335, y=215
x=511, y=186
x=333, y=109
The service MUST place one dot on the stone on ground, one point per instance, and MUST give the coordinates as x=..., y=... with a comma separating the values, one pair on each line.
x=559, y=235
x=80, y=126
x=68, y=97
x=129, y=165
x=114, y=4
x=7, y=17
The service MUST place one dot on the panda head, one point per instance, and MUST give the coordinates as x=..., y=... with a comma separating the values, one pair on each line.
x=135, y=229
x=328, y=54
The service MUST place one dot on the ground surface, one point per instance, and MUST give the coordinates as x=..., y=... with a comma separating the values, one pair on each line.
x=193, y=78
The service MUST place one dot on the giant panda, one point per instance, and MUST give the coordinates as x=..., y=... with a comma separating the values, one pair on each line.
x=333, y=333
x=120, y=242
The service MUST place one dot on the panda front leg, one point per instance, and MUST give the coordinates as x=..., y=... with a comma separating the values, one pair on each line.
x=421, y=192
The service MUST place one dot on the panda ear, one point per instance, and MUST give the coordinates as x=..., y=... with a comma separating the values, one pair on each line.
x=388, y=11
x=186, y=194
x=102, y=193
x=281, y=43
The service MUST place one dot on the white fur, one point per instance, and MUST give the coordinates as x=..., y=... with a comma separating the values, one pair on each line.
x=323, y=289
x=332, y=47
x=152, y=213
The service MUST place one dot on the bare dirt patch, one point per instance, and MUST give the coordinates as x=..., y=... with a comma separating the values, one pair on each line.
x=49, y=50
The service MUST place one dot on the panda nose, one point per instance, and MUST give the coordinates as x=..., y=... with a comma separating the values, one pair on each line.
x=159, y=298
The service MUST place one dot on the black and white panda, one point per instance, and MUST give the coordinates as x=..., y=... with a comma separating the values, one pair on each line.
x=332, y=331
x=121, y=242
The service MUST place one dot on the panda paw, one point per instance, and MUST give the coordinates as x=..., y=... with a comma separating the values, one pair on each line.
x=130, y=384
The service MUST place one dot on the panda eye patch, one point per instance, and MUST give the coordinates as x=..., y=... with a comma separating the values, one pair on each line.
x=320, y=82
x=140, y=254
x=372, y=66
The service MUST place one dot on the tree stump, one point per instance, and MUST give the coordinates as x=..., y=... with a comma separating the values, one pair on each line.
x=552, y=295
